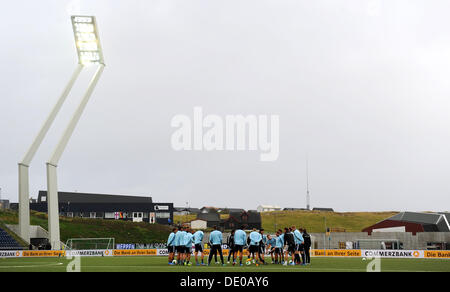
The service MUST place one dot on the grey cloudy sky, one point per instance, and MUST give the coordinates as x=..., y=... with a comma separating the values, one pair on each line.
x=361, y=87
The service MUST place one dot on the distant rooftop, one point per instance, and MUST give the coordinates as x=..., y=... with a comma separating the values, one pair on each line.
x=191, y=210
x=269, y=207
x=415, y=222
x=75, y=197
x=440, y=220
x=323, y=209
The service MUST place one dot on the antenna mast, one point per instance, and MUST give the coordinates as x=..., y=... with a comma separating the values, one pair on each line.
x=307, y=186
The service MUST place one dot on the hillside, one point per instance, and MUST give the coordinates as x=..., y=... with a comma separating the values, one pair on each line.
x=314, y=221
x=122, y=231
x=129, y=232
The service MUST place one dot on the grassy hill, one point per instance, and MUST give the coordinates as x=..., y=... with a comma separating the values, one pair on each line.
x=122, y=231
x=130, y=232
x=314, y=221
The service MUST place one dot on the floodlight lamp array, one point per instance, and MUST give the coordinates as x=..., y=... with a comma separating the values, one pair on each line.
x=87, y=40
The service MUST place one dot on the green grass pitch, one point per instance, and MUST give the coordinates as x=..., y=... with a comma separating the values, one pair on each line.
x=159, y=264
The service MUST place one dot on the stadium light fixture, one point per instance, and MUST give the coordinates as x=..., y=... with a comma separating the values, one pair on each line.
x=87, y=40
x=89, y=53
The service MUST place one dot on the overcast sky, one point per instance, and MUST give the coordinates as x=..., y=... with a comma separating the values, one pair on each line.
x=361, y=87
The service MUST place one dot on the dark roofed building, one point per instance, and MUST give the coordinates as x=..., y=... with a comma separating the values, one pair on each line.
x=247, y=219
x=208, y=210
x=323, y=209
x=431, y=222
x=231, y=210
x=412, y=222
x=115, y=207
x=75, y=197
x=186, y=211
x=194, y=210
x=447, y=216
x=212, y=219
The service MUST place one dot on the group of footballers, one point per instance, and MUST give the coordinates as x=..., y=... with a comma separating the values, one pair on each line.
x=180, y=243
x=288, y=242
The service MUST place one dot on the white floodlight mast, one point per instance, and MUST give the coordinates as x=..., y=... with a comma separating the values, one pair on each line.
x=52, y=185
x=24, y=196
x=89, y=52
x=308, y=198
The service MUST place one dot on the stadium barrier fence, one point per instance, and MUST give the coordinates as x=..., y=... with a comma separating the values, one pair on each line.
x=414, y=254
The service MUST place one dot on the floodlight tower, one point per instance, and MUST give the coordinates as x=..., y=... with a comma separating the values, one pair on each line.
x=89, y=53
x=24, y=203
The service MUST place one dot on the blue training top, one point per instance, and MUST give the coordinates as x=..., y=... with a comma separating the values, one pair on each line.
x=240, y=237
x=215, y=237
x=255, y=238
x=198, y=237
x=272, y=241
x=188, y=239
x=278, y=242
x=298, y=238
x=178, y=238
x=171, y=239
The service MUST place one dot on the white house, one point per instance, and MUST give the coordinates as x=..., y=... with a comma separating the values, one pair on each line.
x=199, y=224
x=268, y=208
